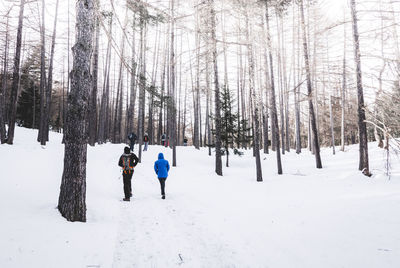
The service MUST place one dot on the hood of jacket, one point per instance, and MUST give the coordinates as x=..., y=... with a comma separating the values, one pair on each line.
x=160, y=156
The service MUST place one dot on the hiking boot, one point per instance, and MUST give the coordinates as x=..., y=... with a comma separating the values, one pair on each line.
x=163, y=197
x=131, y=195
x=126, y=199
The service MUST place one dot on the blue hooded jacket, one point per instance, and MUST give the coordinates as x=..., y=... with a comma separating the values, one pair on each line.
x=161, y=166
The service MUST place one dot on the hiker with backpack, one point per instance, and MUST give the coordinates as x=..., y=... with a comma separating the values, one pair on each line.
x=132, y=140
x=146, y=141
x=127, y=161
x=161, y=167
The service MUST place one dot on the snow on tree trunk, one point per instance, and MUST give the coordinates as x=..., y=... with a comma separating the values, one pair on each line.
x=72, y=199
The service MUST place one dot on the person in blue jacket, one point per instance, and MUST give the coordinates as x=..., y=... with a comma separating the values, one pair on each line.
x=161, y=167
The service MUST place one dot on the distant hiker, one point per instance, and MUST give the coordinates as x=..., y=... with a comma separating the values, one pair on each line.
x=132, y=139
x=146, y=141
x=127, y=161
x=163, y=139
x=161, y=167
x=185, y=142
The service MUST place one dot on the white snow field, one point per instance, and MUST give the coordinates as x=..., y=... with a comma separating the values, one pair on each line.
x=333, y=217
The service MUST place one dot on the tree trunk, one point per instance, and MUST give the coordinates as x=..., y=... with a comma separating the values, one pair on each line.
x=132, y=96
x=362, y=126
x=256, y=139
x=274, y=114
x=142, y=84
x=162, y=103
x=93, y=96
x=331, y=123
x=4, y=86
x=49, y=86
x=173, y=87
x=72, y=199
x=41, y=137
x=196, y=141
x=218, y=160
x=309, y=90
x=15, y=82
x=103, y=116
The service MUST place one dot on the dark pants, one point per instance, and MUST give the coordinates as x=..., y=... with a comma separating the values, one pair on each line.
x=162, y=183
x=127, y=183
x=132, y=145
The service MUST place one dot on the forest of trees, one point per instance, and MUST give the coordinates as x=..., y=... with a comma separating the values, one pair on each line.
x=265, y=75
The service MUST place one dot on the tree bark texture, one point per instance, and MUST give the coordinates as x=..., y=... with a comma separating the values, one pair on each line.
x=72, y=199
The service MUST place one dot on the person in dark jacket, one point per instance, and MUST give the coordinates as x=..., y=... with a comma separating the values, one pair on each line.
x=146, y=141
x=161, y=167
x=127, y=161
x=132, y=140
x=163, y=140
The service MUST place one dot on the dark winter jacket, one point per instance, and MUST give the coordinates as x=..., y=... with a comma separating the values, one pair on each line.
x=133, y=161
x=132, y=137
x=161, y=166
x=146, y=138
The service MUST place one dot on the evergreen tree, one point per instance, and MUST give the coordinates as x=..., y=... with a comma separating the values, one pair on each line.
x=243, y=135
x=29, y=101
x=229, y=129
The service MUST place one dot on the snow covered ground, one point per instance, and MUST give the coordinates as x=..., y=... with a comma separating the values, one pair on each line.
x=334, y=217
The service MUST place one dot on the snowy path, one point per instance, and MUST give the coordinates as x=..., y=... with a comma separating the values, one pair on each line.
x=166, y=233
